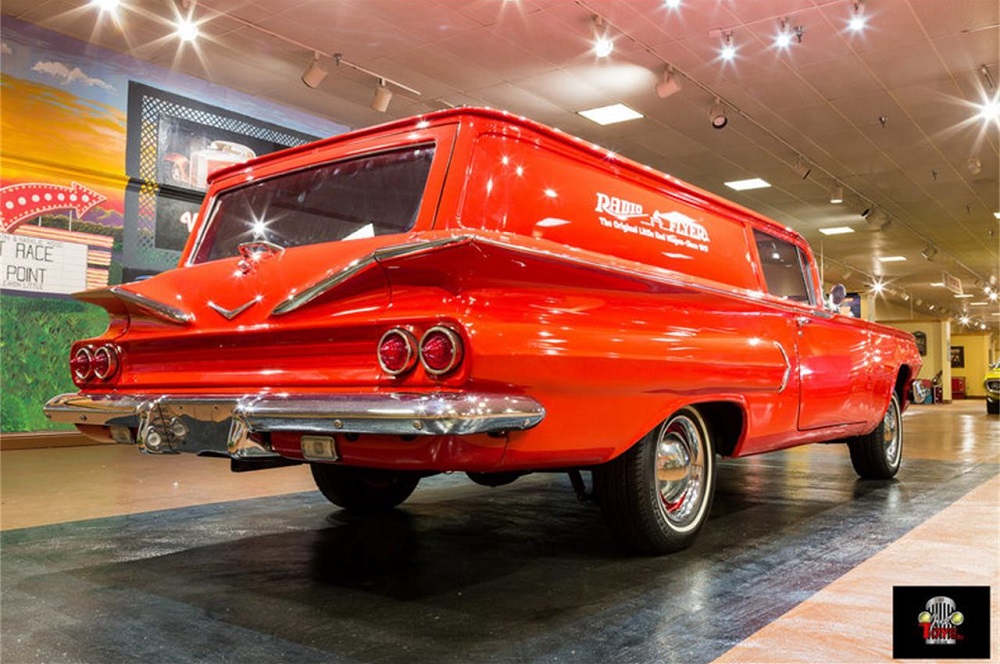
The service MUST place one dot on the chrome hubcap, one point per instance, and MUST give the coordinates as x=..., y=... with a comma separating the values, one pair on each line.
x=680, y=470
x=891, y=433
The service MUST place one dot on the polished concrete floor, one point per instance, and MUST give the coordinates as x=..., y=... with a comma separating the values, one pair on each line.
x=107, y=555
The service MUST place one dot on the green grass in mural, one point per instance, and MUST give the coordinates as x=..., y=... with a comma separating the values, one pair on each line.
x=35, y=336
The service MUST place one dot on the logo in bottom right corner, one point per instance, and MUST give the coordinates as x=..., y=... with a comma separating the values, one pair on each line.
x=940, y=621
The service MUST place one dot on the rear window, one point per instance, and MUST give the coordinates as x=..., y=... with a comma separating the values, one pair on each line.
x=377, y=194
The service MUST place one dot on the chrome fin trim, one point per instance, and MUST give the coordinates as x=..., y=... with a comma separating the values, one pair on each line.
x=361, y=265
x=165, y=312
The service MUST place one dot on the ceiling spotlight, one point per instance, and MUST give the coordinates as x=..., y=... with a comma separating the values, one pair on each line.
x=985, y=71
x=728, y=51
x=929, y=252
x=876, y=218
x=383, y=95
x=990, y=110
x=112, y=5
x=187, y=30
x=974, y=165
x=837, y=194
x=603, y=44
x=785, y=35
x=857, y=22
x=717, y=114
x=800, y=168
x=669, y=85
x=314, y=73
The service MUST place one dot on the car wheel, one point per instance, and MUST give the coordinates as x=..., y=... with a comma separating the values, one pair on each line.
x=364, y=490
x=877, y=455
x=993, y=407
x=657, y=495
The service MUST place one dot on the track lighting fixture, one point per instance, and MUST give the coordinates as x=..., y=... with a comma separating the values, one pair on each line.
x=383, y=95
x=314, y=73
x=876, y=218
x=603, y=44
x=717, y=114
x=786, y=34
x=857, y=22
x=837, y=194
x=800, y=168
x=669, y=85
x=974, y=165
x=728, y=51
x=929, y=252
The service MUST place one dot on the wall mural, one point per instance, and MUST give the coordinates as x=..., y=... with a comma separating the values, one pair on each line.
x=104, y=161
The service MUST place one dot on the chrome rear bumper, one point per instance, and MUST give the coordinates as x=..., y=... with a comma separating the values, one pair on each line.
x=226, y=424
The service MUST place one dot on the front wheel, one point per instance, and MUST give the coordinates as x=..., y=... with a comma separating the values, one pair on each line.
x=877, y=456
x=364, y=490
x=657, y=495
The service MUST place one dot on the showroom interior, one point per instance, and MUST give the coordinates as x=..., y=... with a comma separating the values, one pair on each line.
x=870, y=128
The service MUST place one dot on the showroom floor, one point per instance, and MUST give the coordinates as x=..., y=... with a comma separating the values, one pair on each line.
x=112, y=556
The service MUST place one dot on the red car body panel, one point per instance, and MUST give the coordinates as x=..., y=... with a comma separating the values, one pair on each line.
x=608, y=293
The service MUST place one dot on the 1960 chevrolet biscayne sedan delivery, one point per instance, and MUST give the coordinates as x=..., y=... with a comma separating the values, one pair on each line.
x=471, y=291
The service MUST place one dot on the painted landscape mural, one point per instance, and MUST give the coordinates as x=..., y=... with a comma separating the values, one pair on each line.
x=72, y=216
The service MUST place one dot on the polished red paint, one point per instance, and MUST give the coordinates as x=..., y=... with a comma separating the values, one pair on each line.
x=569, y=289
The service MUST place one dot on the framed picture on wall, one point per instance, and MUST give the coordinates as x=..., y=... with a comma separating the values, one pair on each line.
x=921, y=339
x=958, y=357
x=173, y=145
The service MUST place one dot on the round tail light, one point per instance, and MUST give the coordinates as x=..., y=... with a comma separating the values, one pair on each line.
x=397, y=351
x=440, y=350
x=105, y=362
x=82, y=364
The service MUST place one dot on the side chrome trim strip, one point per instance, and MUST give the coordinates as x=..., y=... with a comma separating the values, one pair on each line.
x=361, y=265
x=788, y=367
x=158, y=309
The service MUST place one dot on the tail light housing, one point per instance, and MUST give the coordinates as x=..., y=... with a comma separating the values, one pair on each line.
x=105, y=362
x=95, y=363
x=440, y=350
x=397, y=351
x=82, y=364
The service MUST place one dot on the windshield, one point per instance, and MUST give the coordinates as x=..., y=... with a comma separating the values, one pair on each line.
x=376, y=194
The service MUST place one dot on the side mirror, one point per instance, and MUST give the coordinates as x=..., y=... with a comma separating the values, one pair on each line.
x=837, y=295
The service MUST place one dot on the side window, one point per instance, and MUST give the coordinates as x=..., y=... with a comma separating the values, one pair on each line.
x=784, y=268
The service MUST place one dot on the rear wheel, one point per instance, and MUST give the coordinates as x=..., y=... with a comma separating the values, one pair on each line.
x=658, y=494
x=877, y=455
x=364, y=490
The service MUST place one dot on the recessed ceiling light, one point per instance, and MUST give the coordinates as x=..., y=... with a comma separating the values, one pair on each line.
x=743, y=185
x=836, y=230
x=606, y=115
x=937, y=284
x=892, y=259
x=997, y=215
x=979, y=304
x=963, y=296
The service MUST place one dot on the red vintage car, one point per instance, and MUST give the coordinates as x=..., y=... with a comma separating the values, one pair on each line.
x=471, y=291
